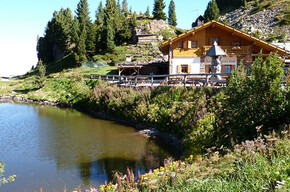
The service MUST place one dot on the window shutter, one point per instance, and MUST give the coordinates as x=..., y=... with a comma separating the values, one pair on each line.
x=189, y=45
x=185, y=45
x=179, y=69
x=189, y=69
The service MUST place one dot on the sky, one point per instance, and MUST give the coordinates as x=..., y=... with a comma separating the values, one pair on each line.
x=22, y=21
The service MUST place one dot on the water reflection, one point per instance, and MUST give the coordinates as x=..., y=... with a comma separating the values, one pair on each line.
x=72, y=148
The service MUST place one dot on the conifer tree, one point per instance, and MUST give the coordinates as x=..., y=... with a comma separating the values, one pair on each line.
x=119, y=9
x=81, y=47
x=172, y=14
x=158, y=13
x=134, y=20
x=125, y=7
x=86, y=26
x=147, y=13
x=131, y=11
x=99, y=23
x=83, y=13
x=108, y=32
x=212, y=11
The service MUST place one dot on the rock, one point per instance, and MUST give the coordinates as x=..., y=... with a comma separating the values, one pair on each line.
x=263, y=21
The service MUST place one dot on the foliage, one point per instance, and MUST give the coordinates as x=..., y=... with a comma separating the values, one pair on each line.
x=58, y=36
x=158, y=13
x=212, y=11
x=258, y=165
x=125, y=7
x=147, y=13
x=40, y=77
x=134, y=20
x=172, y=14
x=254, y=103
x=4, y=180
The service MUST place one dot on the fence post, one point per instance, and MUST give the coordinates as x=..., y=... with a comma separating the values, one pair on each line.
x=152, y=80
x=136, y=81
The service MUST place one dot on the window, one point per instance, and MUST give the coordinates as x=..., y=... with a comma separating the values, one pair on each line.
x=184, y=68
x=194, y=44
x=228, y=68
x=180, y=44
x=216, y=39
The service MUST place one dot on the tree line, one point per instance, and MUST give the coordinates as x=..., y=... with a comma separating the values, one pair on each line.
x=113, y=26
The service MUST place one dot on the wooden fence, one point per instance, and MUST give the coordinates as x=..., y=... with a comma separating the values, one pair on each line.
x=171, y=80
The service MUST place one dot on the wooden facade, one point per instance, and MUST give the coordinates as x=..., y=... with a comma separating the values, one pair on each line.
x=190, y=48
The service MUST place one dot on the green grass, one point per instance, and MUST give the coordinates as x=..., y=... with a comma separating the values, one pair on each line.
x=107, y=70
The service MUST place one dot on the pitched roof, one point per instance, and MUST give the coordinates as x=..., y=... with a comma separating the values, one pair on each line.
x=226, y=27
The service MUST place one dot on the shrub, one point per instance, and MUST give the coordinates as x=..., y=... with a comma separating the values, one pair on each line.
x=253, y=103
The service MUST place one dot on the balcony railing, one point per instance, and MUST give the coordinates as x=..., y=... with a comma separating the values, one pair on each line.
x=230, y=50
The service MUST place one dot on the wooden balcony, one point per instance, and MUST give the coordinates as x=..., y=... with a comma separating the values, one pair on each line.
x=230, y=50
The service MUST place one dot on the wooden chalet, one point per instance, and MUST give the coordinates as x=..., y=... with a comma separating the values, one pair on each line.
x=187, y=52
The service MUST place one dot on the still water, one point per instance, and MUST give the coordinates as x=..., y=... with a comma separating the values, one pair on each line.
x=57, y=148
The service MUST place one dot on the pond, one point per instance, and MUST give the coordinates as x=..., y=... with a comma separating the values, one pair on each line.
x=56, y=148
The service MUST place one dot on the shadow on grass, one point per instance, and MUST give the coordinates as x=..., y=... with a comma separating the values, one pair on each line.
x=25, y=91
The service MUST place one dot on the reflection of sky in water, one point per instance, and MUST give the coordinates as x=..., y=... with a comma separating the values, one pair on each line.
x=52, y=148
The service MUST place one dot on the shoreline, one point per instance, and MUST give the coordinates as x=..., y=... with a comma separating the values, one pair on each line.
x=143, y=130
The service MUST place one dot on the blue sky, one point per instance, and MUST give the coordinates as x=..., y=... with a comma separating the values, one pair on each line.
x=21, y=21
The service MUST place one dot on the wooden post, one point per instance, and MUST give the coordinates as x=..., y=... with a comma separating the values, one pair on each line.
x=152, y=80
x=136, y=81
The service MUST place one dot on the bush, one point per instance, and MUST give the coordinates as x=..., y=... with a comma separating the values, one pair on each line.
x=253, y=103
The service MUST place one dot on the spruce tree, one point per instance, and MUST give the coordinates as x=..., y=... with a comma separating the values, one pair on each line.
x=131, y=11
x=134, y=20
x=158, y=13
x=172, y=14
x=86, y=27
x=125, y=7
x=81, y=47
x=83, y=13
x=108, y=32
x=212, y=11
x=99, y=23
x=147, y=13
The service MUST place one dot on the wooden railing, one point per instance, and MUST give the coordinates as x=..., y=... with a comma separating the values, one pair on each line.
x=230, y=50
x=157, y=80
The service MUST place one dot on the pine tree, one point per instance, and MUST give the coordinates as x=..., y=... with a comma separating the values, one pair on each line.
x=86, y=27
x=131, y=11
x=99, y=23
x=81, y=47
x=134, y=20
x=83, y=13
x=158, y=13
x=119, y=9
x=147, y=13
x=108, y=32
x=212, y=11
x=172, y=14
x=125, y=7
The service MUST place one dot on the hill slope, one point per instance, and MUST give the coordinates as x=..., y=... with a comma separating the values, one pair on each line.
x=267, y=20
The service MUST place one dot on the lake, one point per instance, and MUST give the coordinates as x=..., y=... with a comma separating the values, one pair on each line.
x=57, y=148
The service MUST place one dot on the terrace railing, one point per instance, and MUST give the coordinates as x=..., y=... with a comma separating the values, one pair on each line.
x=171, y=80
